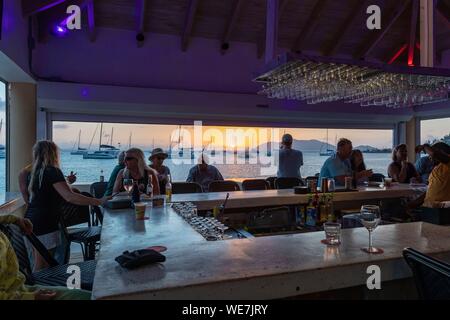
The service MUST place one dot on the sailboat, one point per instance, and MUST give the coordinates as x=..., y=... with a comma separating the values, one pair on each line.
x=105, y=151
x=2, y=147
x=328, y=152
x=79, y=150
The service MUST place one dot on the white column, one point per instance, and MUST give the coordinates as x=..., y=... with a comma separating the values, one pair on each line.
x=21, y=129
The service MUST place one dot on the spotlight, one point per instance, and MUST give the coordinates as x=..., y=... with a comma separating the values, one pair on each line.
x=59, y=30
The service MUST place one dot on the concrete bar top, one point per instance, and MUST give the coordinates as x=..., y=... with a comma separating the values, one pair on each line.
x=244, y=199
x=256, y=268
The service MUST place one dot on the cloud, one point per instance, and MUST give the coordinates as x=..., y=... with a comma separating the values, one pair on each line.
x=60, y=126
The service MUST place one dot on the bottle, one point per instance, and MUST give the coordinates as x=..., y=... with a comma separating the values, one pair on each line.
x=102, y=177
x=135, y=194
x=323, y=210
x=149, y=190
x=311, y=212
x=168, y=189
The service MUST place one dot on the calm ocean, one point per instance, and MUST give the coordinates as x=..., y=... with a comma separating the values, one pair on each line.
x=88, y=170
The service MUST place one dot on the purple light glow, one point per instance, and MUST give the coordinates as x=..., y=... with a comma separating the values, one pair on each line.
x=59, y=30
x=85, y=92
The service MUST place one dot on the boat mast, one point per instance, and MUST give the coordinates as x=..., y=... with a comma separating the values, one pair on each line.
x=129, y=140
x=79, y=139
x=101, y=132
x=93, y=136
x=112, y=135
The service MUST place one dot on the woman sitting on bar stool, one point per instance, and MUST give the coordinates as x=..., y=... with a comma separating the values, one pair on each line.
x=137, y=169
x=400, y=170
x=47, y=189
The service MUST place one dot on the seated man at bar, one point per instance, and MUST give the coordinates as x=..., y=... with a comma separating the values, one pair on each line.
x=137, y=169
x=114, y=173
x=400, y=169
x=338, y=166
x=438, y=193
x=204, y=173
x=424, y=166
x=12, y=281
x=290, y=160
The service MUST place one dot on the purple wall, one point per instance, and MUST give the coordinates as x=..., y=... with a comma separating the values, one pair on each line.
x=114, y=59
x=14, y=34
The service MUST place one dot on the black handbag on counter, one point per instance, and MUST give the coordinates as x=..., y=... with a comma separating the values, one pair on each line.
x=137, y=258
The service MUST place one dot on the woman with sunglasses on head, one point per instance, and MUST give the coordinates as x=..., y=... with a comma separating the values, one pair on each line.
x=136, y=169
x=157, y=159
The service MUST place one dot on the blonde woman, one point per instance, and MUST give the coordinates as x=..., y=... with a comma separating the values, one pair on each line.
x=137, y=169
x=47, y=189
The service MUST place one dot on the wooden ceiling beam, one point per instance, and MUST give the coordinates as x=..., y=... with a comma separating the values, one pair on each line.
x=343, y=29
x=443, y=9
x=188, y=23
x=91, y=20
x=261, y=42
x=231, y=23
x=309, y=26
x=141, y=6
x=413, y=31
x=32, y=7
x=378, y=35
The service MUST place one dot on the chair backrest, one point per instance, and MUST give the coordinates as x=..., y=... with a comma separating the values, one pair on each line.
x=288, y=183
x=255, y=184
x=377, y=177
x=15, y=237
x=271, y=181
x=223, y=186
x=432, y=277
x=186, y=187
x=72, y=215
x=439, y=216
x=98, y=189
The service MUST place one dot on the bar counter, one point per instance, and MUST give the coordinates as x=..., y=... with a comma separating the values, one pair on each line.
x=245, y=199
x=254, y=268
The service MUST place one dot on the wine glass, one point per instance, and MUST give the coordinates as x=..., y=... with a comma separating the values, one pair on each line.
x=128, y=184
x=370, y=218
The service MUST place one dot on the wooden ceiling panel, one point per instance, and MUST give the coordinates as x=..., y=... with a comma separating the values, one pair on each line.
x=212, y=17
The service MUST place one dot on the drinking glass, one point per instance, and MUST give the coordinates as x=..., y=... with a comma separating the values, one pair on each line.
x=332, y=233
x=128, y=184
x=331, y=185
x=370, y=218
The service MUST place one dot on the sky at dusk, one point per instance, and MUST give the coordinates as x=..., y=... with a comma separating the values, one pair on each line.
x=65, y=134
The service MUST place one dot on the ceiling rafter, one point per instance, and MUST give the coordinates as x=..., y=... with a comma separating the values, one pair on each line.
x=261, y=42
x=32, y=7
x=374, y=39
x=91, y=20
x=309, y=26
x=141, y=6
x=231, y=23
x=189, y=23
x=343, y=29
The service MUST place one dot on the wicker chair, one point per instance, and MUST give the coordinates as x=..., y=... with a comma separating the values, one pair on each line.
x=255, y=184
x=432, y=277
x=186, y=187
x=54, y=275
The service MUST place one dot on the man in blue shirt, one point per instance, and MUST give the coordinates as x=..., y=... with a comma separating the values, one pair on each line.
x=204, y=174
x=290, y=160
x=338, y=166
